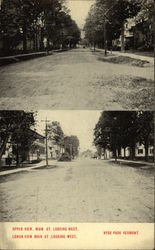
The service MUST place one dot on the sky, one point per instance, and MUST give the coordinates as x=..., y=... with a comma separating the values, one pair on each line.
x=79, y=10
x=73, y=122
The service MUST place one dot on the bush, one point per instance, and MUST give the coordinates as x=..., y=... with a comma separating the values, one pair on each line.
x=65, y=157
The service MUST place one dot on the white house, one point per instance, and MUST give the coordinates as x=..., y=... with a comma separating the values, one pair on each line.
x=139, y=151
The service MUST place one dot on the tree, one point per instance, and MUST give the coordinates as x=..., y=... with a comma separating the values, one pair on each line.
x=146, y=130
x=118, y=13
x=55, y=134
x=18, y=17
x=31, y=22
x=145, y=22
x=51, y=10
x=94, y=27
x=73, y=36
x=116, y=130
x=9, y=25
x=15, y=126
x=101, y=135
x=71, y=144
x=125, y=9
x=108, y=17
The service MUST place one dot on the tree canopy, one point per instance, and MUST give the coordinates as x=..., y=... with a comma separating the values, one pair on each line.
x=117, y=129
x=37, y=25
x=106, y=19
x=15, y=126
x=71, y=145
x=55, y=133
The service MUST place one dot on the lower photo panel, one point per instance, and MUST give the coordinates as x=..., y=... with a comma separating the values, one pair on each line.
x=76, y=179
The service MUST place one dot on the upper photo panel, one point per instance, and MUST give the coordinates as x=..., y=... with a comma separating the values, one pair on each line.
x=76, y=54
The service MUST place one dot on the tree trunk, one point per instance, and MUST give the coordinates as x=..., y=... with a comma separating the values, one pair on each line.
x=115, y=154
x=105, y=38
x=104, y=151
x=24, y=38
x=31, y=45
x=17, y=157
x=3, y=146
x=124, y=153
x=132, y=156
x=36, y=38
x=6, y=47
x=34, y=42
x=146, y=150
x=122, y=38
x=119, y=152
x=48, y=44
x=41, y=40
x=94, y=46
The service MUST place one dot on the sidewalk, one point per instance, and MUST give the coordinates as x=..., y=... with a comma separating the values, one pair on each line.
x=40, y=164
x=134, y=56
x=4, y=60
x=135, y=162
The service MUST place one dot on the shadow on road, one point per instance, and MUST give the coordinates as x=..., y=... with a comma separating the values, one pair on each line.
x=45, y=167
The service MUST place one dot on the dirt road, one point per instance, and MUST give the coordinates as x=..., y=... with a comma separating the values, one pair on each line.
x=75, y=79
x=86, y=190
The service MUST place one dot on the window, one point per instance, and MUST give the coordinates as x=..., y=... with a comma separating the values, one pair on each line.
x=140, y=151
x=151, y=151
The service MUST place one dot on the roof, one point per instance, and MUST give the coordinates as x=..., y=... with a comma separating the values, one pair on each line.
x=36, y=134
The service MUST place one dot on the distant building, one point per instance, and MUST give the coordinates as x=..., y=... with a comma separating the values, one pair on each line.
x=87, y=154
x=54, y=150
x=139, y=151
x=107, y=154
x=37, y=150
x=128, y=35
x=82, y=33
x=136, y=35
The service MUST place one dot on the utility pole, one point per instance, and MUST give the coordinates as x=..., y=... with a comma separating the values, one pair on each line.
x=105, y=27
x=46, y=139
x=71, y=151
x=46, y=143
x=105, y=36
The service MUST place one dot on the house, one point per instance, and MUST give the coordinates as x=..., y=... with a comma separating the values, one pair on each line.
x=36, y=151
x=139, y=151
x=128, y=35
x=54, y=150
x=137, y=35
x=107, y=154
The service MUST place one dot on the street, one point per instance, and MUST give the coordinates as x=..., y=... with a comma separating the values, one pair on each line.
x=75, y=79
x=85, y=190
